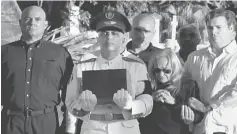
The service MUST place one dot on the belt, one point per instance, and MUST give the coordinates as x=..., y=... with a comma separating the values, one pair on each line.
x=29, y=113
x=106, y=117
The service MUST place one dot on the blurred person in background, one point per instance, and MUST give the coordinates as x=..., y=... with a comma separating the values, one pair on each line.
x=188, y=38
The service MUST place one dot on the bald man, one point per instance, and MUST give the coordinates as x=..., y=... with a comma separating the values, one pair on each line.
x=143, y=31
x=34, y=71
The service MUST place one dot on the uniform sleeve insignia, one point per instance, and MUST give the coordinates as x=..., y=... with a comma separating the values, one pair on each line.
x=87, y=61
x=132, y=58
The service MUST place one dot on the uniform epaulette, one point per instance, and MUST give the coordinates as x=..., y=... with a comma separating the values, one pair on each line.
x=86, y=61
x=133, y=58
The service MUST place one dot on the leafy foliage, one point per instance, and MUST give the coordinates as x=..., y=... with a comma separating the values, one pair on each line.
x=187, y=12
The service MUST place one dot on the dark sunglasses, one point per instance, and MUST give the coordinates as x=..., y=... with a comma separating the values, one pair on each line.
x=158, y=70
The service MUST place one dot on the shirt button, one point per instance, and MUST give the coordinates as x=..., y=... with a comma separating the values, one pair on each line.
x=29, y=70
x=30, y=48
x=29, y=58
x=27, y=95
x=28, y=82
x=27, y=108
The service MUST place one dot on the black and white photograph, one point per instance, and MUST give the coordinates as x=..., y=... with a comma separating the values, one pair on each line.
x=118, y=67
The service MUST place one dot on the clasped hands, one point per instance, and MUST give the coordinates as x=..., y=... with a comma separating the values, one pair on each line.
x=163, y=96
x=122, y=98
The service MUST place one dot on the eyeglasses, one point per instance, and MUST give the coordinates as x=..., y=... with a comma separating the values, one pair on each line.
x=158, y=70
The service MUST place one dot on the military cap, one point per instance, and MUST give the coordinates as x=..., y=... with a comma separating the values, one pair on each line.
x=110, y=19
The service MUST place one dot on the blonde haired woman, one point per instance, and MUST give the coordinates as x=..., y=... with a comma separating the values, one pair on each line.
x=165, y=70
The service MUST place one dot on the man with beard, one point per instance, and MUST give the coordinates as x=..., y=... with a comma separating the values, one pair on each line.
x=33, y=73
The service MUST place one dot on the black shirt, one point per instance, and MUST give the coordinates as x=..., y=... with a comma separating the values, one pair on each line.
x=33, y=75
x=145, y=55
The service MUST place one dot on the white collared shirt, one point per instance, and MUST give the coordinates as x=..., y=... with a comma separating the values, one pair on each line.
x=217, y=80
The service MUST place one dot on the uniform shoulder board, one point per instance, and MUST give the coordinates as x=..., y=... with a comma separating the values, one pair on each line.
x=132, y=58
x=87, y=61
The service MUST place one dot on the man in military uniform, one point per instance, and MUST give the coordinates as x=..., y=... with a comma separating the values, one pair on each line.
x=121, y=116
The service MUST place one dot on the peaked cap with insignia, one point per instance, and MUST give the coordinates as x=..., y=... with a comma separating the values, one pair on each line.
x=110, y=19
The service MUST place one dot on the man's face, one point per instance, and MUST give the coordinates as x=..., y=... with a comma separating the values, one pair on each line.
x=142, y=31
x=111, y=40
x=219, y=33
x=33, y=22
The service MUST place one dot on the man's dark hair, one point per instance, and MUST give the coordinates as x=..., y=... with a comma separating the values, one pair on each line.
x=229, y=15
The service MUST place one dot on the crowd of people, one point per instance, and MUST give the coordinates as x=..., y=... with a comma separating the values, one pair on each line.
x=168, y=92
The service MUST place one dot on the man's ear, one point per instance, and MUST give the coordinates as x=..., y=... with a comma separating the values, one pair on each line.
x=125, y=36
x=232, y=27
x=45, y=24
x=20, y=22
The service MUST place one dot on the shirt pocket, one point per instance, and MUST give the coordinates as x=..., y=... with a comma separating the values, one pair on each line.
x=48, y=66
x=49, y=61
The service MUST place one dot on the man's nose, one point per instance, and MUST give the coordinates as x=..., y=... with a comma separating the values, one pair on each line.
x=215, y=31
x=142, y=34
x=109, y=35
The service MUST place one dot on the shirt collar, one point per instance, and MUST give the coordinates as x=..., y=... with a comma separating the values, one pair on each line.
x=125, y=53
x=37, y=43
x=230, y=48
x=101, y=60
x=148, y=49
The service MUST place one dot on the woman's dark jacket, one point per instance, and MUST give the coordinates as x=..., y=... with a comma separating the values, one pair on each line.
x=166, y=118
